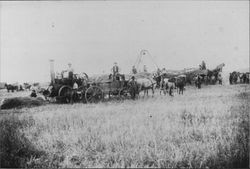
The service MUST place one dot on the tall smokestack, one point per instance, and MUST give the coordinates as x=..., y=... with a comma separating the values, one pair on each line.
x=52, y=72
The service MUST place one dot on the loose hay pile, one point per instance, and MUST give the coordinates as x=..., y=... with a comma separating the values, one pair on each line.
x=19, y=102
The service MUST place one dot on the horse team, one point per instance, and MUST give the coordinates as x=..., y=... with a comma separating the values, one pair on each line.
x=237, y=77
x=19, y=87
x=165, y=85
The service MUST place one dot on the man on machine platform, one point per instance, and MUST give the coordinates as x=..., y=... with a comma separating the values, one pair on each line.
x=115, y=70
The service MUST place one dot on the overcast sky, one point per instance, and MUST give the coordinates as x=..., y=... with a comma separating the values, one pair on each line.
x=92, y=35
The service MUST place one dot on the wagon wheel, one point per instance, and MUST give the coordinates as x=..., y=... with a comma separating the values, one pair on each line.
x=65, y=93
x=124, y=94
x=93, y=94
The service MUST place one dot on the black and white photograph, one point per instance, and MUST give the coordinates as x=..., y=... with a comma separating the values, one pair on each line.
x=124, y=84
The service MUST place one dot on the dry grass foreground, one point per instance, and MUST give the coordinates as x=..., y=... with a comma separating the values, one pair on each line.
x=202, y=128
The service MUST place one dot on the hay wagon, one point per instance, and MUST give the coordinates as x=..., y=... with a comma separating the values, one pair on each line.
x=104, y=86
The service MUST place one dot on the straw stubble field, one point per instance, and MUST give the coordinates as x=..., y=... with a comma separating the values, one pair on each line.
x=202, y=128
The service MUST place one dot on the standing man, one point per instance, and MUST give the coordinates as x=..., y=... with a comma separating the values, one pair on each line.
x=70, y=71
x=134, y=71
x=133, y=88
x=115, y=70
x=145, y=69
x=164, y=71
x=158, y=72
x=203, y=65
x=230, y=78
x=74, y=94
x=199, y=82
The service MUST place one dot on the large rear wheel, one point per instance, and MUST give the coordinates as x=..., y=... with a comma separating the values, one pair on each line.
x=93, y=94
x=64, y=93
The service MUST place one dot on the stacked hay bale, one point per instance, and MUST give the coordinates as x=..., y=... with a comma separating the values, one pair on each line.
x=19, y=102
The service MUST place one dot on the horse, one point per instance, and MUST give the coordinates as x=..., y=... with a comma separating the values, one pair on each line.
x=26, y=86
x=133, y=88
x=145, y=84
x=167, y=86
x=243, y=78
x=10, y=87
x=20, y=88
x=234, y=77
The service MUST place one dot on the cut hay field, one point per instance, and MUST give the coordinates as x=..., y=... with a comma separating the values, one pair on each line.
x=206, y=128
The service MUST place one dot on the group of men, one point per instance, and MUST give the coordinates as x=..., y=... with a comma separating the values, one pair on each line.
x=115, y=71
x=69, y=73
x=134, y=70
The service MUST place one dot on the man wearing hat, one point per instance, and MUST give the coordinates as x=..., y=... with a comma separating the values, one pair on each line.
x=133, y=87
x=145, y=69
x=70, y=71
x=115, y=70
x=203, y=65
x=134, y=71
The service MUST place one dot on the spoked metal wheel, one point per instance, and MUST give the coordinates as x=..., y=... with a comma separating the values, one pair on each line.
x=93, y=94
x=65, y=94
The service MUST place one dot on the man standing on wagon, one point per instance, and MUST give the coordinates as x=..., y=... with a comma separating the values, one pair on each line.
x=115, y=70
x=70, y=71
x=134, y=71
x=145, y=70
x=203, y=65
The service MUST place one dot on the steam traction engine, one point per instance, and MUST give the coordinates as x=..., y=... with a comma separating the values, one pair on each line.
x=61, y=87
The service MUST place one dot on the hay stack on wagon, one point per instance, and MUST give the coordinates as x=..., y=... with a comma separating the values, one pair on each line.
x=100, y=78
